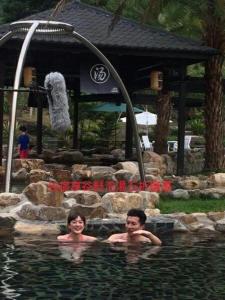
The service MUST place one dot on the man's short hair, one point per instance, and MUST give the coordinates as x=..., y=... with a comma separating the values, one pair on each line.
x=137, y=213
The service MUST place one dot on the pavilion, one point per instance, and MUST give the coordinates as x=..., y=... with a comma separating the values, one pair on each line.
x=134, y=49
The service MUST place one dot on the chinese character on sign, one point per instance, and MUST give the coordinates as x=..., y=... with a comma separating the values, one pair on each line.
x=99, y=73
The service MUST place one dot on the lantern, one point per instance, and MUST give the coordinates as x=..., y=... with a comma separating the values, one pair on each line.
x=29, y=76
x=156, y=80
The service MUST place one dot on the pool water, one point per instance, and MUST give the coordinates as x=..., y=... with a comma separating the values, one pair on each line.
x=183, y=268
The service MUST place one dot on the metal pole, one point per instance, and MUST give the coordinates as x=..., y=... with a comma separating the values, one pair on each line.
x=5, y=37
x=125, y=94
x=14, y=101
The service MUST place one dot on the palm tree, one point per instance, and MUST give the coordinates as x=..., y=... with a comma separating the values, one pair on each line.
x=210, y=25
x=213, y=32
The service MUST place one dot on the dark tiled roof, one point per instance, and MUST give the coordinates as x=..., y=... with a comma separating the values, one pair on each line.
x=93, y=23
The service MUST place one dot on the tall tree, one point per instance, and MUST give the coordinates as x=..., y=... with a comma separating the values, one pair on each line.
x=213, y=32
x=207, y=18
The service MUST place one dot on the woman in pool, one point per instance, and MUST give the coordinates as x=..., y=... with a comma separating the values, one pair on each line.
x=76, y=223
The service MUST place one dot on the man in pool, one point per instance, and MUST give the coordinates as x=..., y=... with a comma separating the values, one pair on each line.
x=135, y=232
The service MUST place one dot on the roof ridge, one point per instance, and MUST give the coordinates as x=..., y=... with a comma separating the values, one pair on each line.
x=122, y=19
x=141, y=25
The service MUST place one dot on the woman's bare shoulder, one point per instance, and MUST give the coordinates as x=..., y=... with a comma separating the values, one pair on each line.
x=64, y=238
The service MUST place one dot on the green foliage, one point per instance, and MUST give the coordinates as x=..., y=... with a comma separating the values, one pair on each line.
x=177, y=17
x=168, y=205
x=6, y=107
x=196, y=123
x=196, y=70
x=65, y=137
x=197, y=126
x=6, y=128
x=15, y=9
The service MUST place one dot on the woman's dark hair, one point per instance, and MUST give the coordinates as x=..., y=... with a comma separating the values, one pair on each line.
x=137, y=213
x=73, y=215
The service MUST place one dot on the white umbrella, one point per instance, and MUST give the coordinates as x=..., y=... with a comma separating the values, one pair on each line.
x=144, y=118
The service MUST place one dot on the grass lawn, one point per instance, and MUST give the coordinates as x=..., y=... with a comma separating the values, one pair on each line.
x=168, y=206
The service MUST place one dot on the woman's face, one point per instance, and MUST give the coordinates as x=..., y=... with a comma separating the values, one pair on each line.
x=76, y=226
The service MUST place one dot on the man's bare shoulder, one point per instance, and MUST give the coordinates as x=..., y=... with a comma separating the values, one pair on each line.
x=144, y=239
x=88, y=238
x=118, y=237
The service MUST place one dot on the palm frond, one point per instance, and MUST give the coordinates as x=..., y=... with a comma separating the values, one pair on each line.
x=117, y=14
x=59, y=6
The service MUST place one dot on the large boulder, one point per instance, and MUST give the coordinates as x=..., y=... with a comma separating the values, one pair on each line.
x=218, y=179
x=170, y=164
x=40, y=193
x=102, y=172
x=28, y=212
x=180, y=193
x=47, y=154
x=28, y=164
x=68, y=203
x=150, y=199
x=49, y=213
x=154, y=160
x=71, y=156
x=220, y=225
x=129, y=166
x=190, y=183
x=28, y=228
x=39, y=175
x=121, y=202
x=80, y=171
x=61, y=175
x=9, y=199
x=92, y=211
x=84, y=197
x=152, y=171
x=6, y=221
x=42, y=213
x=152, y=212
x=123, y=175
x=20, y=175
x=119, y=154
x=216, y=216
x=213, y=193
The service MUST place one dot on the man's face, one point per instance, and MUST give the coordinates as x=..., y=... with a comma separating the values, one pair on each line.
x=133, y=224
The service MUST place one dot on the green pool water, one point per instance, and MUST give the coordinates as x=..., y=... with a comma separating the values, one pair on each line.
x=181, y=269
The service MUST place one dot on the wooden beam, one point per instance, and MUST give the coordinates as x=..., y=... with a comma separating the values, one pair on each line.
x=181, y=124
x=39, y=125
x=2, y=67
x=75, y=122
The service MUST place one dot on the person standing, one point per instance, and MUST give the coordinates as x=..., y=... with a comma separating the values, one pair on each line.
x=23, y=142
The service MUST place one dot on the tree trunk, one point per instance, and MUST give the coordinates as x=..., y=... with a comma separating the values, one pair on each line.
x=163, y=117
x=214, y=133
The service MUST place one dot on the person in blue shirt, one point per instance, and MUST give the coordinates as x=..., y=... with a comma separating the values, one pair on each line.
x=23, y=142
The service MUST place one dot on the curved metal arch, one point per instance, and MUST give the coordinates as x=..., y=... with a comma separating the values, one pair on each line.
x=30, y=27
x=16, y=85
